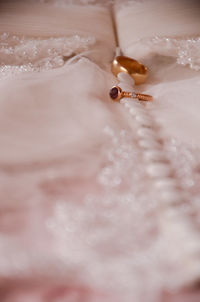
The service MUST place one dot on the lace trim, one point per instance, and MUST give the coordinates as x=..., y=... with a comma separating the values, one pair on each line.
x=36, y=54
x=186, y=50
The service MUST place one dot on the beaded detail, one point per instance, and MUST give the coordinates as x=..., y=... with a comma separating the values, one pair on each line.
x=186, y=50
x=36, y=54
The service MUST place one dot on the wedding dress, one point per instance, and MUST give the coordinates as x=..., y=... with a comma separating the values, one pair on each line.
x=94, y=205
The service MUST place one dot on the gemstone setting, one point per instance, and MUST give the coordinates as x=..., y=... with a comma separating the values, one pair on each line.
x=114, y=93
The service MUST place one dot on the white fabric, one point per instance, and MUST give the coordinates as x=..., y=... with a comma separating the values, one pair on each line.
x=175, y=88
x=82, y=219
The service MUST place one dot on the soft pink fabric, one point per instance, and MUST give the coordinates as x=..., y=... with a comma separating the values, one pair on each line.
x=80, y=219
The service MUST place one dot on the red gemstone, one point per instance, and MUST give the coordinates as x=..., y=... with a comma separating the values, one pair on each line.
x=114, y=93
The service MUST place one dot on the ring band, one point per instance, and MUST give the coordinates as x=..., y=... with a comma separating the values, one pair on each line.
x=135, y=69
x=117, y=94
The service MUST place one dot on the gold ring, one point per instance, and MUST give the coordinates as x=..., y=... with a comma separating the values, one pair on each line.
x=116, y=94
x=135, y=69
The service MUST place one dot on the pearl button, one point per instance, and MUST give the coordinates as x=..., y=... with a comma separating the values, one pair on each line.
x=149, y=143
x=159, y=170
x=145, y=132
x=126, y=103
x=132, y=111
x=138, y=110
x=166, y=183
x=171, y=196
x=154, y=155
x=125, y=77
x=126, y=87
x=143, y=120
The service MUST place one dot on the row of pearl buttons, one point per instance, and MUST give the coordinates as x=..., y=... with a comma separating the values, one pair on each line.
x=158, y=167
